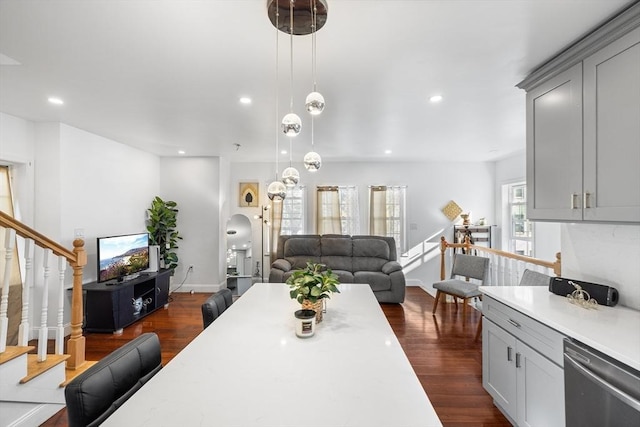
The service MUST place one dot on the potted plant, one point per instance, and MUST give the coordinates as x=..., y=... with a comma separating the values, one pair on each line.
x=161, y=226
x=310, y=285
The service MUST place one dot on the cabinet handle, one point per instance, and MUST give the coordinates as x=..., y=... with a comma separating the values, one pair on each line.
x=509, y=355
x=514, y=323
x=587, y=200
x=518, y=364
x=574, y=199
x=158, y=291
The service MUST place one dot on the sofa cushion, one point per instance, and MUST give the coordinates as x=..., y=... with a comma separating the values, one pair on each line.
x=391, y=266
x=344, y=276
x=377, y=248
x=300, y=251
x=377, y=280
x=338, y=262
x=336, y=246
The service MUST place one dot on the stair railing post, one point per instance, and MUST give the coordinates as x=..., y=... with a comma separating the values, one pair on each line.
x=443, y=249
x=23, y=330
x=76, y=343
x=43, y=334
x=9, y=239
x=62, y=264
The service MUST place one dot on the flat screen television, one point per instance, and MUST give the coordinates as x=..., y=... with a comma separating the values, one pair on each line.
x=122, y=257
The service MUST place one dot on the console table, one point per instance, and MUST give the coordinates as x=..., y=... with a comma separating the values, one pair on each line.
x=248, y=368
x=109, y=307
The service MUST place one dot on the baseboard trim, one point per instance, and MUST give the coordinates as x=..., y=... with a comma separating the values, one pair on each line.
x=197, y=287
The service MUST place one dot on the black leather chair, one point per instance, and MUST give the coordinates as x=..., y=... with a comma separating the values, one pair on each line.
x=96, y=393
x=215, y=305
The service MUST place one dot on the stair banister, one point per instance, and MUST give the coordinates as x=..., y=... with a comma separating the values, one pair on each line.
x=77, y=259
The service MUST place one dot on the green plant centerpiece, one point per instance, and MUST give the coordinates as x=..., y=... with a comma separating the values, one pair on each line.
x=311, y=285
x=161, y=225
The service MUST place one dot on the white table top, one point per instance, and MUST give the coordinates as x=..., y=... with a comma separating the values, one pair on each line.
x=249, y=369
x=614, y=331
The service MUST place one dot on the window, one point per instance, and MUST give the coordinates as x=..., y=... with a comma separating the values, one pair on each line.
x=387, y=214
x=520, y=230
x=338, y=210
x=293, y=208
x=349, y=210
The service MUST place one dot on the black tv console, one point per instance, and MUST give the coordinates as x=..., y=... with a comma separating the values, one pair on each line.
x=109, y=307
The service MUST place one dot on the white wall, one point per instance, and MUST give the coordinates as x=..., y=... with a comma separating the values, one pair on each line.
x=194, y=183
x=17, y=148
x=604, y=253
x=79, y=180
x=430, y=186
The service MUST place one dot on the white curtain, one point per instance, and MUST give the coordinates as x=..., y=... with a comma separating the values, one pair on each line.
x=328, y=211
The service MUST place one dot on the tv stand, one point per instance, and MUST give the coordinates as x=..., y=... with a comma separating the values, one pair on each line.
x=109, y=307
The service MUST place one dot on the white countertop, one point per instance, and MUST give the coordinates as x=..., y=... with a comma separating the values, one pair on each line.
x=614, y=331
x=249, y=369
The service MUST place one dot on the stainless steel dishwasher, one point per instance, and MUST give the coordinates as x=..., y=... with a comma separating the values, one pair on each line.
x=599, y=391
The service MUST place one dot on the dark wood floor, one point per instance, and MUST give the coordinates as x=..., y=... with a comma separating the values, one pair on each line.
x=441, y=349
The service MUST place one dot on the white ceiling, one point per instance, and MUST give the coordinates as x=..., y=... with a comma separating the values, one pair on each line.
x=167, y=75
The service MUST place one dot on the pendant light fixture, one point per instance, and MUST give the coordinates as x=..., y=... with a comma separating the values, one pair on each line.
x=290, y=176
x=291, y=123
x=276, y=191
x=315, y=101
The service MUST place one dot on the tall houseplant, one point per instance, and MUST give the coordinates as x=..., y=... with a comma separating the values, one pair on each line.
x=161, y=225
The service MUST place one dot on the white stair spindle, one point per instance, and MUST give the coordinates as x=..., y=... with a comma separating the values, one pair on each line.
x=23, y=330
x=44, y=330
x=10, y=237
x=62, y=264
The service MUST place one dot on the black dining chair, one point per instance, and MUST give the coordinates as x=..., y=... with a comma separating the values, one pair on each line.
x=94, y=395
x=215, y=305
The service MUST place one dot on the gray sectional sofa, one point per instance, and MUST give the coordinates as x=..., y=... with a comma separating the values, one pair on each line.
x=355, y=259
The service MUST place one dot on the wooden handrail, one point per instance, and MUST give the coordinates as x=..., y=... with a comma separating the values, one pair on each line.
x=556, y=265
x=39, y=239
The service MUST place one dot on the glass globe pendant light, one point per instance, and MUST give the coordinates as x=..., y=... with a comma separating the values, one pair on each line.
x=290, y=176
x=315, y=101
x=291, y=123
x=277, y=191
x=312, y=160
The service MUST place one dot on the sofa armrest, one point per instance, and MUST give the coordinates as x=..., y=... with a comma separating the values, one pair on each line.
x=391, y=266
x=281, y=264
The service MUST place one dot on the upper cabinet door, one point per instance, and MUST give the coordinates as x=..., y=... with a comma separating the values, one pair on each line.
x=612, y=132
x=554, y=147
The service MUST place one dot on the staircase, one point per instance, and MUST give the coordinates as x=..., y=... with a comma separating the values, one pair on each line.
x=32, y=380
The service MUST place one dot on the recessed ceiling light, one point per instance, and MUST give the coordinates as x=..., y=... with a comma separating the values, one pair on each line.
x=181, y=152
x=245, y=100
x=436, y=98
x=387, y=151
x=56, y=101
x=283, y=152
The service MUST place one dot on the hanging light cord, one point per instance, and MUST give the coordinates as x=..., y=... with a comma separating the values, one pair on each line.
x=314, y=17
x=277, y=85
x=291, y=42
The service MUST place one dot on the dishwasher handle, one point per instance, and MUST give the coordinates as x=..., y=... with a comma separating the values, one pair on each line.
x=629, y=400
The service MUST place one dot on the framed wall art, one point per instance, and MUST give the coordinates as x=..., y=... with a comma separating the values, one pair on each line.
x=248, y=196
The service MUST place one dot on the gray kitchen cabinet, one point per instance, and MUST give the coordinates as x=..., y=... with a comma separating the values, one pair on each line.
x=522, y=366
x=554, y=147
x=612, y=132
x=583, y=128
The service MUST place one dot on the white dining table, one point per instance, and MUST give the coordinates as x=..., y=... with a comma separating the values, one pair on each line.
x=248, y=368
